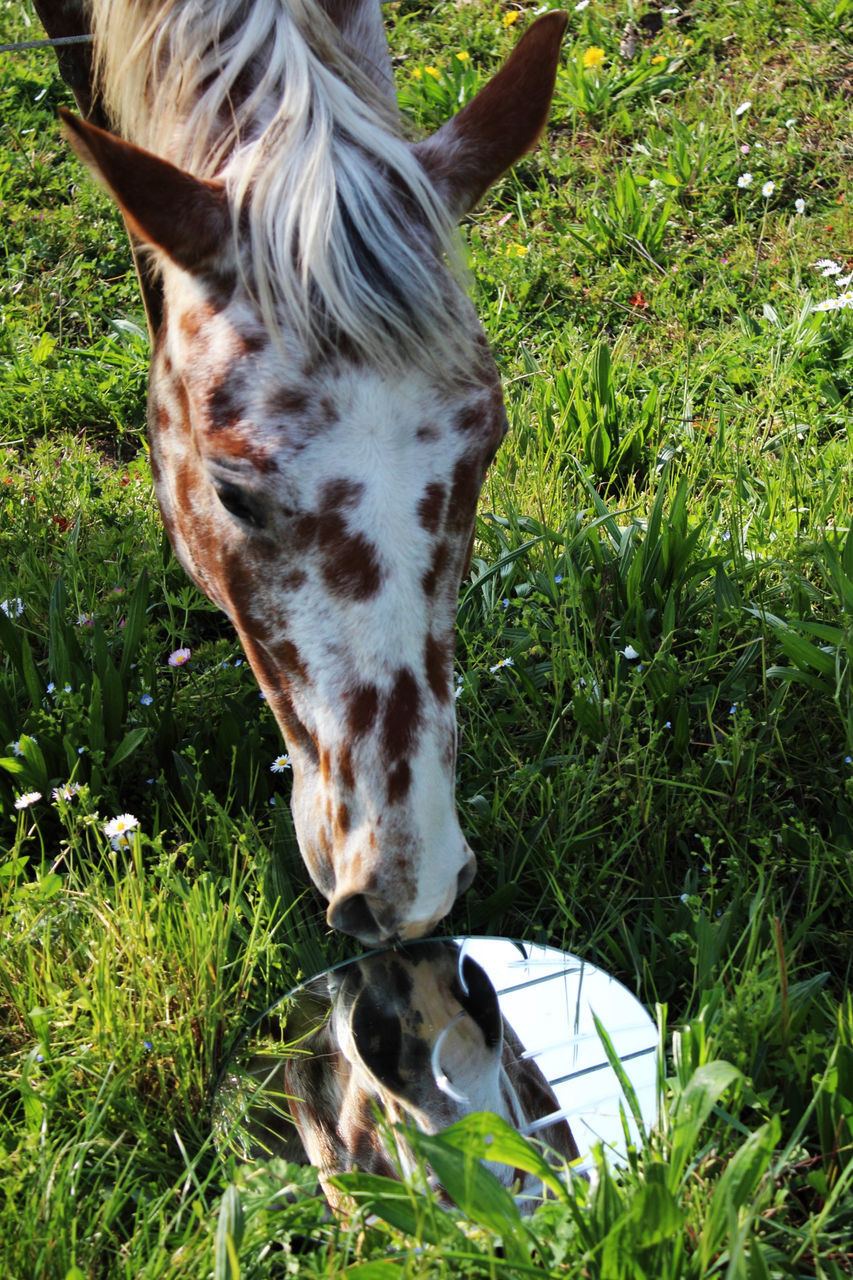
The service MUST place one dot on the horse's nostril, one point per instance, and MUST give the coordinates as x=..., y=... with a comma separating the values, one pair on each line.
x=362, y=917
x=466, y=876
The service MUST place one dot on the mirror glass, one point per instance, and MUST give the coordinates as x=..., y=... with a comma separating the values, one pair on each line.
x=429, y=1032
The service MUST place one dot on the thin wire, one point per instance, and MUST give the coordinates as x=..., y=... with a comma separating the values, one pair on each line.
x=43, y=44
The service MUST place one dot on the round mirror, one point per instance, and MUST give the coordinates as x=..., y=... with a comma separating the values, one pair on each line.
x=429, y=1032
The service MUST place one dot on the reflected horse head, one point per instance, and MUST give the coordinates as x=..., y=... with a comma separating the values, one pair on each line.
x=415, y=1035
x=323, y=405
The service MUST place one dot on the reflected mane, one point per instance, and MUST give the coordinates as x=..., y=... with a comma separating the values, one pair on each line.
x=342, y=225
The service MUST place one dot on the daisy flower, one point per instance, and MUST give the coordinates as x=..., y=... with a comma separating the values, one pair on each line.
x=28, y=798
x=280, y=764
x=179, y=656
x=800, y=205
x=504, y=662
x=68, y=792
x=768, y=189
x=120, y=826
x=744, y=180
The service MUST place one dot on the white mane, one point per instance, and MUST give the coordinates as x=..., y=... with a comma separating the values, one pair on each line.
x=265, y=96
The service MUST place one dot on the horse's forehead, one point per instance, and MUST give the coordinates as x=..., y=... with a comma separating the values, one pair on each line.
x=253, y=388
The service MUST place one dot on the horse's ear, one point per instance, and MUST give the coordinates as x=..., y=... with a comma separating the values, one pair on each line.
x=163, y=206
x=466, y=155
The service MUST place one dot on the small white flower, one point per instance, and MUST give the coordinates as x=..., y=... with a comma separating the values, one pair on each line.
x=28, y=798
x=831, y=269
x=800, y=205
x=280, y=764
x=630, y=653
x=846, y=299
x=744, y=107
x=581, y=4
x=822, y=263
x=117, y=827
x=830, y=304
x=18, y=747
x=671, y=10
x=744, y=180
x=768, y=189
x=12, y=608
x=504, y=662
x=843, y=281
x=68, y=792
x=789, y=124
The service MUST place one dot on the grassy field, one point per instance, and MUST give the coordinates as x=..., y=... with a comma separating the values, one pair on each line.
x=654, y=663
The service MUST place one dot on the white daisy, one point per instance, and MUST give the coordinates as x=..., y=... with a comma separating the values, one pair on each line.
x=28, y=798
x=280, y=764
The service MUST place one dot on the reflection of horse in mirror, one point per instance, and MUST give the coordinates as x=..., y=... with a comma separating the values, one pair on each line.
x=322, y=402
x=415, y=1034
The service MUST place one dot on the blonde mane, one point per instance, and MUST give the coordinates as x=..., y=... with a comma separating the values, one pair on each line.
x=343, y=223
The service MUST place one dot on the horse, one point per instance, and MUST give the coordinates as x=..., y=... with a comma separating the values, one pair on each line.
x=322, y=401
x=415, y=1036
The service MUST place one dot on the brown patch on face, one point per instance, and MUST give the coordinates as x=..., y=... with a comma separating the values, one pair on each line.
x=226, y=400
x=440, y=557
x=287, y=654
x=341, y=493
x=467, y=478
x=469, y=419
x=345, y=768
x=343, y=821
x=401, y=716
x=192, y=322
x=431, y=507
x=329, y=411
x=350, y=563
x=437, y=659
x=363, y=710
x=325, y=773
x=399, y=781
x=287, y=401
x=427, y=434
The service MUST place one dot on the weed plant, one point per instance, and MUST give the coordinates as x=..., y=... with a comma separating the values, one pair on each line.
x=654, y=685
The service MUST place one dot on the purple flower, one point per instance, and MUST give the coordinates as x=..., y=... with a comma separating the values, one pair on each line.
x=179, y=657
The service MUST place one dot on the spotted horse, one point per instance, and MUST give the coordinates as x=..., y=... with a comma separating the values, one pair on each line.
x=322, y=403
x=413, y=1035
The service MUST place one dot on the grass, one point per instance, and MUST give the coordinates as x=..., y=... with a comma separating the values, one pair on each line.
x=654, y=658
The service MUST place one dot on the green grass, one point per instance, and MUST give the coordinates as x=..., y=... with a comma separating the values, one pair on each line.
x=660, y=779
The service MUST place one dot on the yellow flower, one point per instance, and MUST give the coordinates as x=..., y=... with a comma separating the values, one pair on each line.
x=511, y=17
x=463, y=56
x=688, y=43
x=432, y=71
x=417, y=73
x=658, y=60
x=593, y=57
x=517, y=250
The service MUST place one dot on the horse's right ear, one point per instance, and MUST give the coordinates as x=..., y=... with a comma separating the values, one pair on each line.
x=186, y=217
x=466, y=155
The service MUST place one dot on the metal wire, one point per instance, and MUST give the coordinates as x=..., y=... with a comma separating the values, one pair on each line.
x=43, y=44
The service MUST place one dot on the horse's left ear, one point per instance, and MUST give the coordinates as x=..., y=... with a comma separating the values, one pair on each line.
x=466, y=155
x=187, y=217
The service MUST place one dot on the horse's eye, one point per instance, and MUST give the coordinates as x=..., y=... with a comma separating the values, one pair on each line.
x=237, y=503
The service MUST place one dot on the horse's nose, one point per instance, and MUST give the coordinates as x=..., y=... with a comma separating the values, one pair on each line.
x=374, y=920
x=365, y=916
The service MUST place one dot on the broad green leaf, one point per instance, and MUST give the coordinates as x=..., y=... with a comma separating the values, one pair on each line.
x=229, y=1234
x=131, y=740
x=692, y=1108
x=416, y=1213
x=490, y=1138
x=134, y=624
x=738, y=1184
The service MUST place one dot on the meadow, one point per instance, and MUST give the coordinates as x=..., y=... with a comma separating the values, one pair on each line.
x=654, y=682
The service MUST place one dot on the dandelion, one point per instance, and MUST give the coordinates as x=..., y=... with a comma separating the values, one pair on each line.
x=768, y=189
x=463, y=56
x=280, y=764
x=593, y=58
x=745, y=180
x=504, y=662
x=743, y=108
x=146, y=700
x=28, y=798
x=512, y=17
x=658, y=59
x=179, y=657
x=432, y=71
x=800, y=205
x=417, y=73
x=66, y=792
x=12, y=608
x=517, y=250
